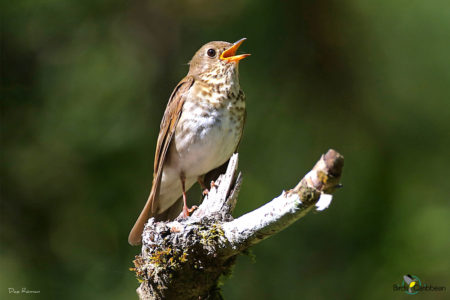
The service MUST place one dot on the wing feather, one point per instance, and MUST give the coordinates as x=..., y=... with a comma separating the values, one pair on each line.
x=167, y=129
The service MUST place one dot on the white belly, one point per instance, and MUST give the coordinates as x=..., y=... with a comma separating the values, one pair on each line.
x=204, y=141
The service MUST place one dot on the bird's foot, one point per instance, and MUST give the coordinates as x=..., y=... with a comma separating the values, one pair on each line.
x=187, y=211
x=213, y=184
x=192, y=209
x=205, y=190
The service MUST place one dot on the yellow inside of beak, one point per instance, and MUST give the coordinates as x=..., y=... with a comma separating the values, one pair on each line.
x=229, y=54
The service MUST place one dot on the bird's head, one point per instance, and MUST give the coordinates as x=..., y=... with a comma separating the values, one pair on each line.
x=216, y=55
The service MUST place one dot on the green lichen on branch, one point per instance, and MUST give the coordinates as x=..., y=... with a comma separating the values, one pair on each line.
x=306, y=194
x=309, y=195
x=190, y=254
x=165, y=259
x=211, y=235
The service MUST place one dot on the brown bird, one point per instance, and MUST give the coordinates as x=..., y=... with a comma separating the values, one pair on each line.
x=200, y=130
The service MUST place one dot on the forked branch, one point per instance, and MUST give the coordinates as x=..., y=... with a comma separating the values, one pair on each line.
x=184, y=259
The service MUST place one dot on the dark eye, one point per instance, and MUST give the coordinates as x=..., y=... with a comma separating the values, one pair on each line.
x=211, y=52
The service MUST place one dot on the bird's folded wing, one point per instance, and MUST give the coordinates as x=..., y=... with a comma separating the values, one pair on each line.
x=167, y=129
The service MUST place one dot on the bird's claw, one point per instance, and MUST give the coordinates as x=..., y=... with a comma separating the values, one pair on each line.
x=192, y=209
x=187, y=211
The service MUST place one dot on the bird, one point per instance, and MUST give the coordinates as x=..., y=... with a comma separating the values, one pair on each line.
x=201, y=128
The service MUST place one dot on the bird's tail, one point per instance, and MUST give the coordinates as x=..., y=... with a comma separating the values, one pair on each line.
x=149, y=210
x=135, y=236
x=171, y=213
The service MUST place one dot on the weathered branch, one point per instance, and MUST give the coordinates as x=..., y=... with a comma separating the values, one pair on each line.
x=184, y=259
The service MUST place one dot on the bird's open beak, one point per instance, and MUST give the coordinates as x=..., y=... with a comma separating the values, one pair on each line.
x=229, y=54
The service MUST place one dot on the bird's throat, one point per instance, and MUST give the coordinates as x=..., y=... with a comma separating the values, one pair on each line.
x=220, y=84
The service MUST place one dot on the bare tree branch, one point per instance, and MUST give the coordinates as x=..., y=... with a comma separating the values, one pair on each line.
x=184, y=259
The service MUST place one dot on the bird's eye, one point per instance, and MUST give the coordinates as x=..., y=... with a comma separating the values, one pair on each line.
x=211, y=52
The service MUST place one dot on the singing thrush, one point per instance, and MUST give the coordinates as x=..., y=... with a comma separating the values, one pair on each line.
x=200, y=130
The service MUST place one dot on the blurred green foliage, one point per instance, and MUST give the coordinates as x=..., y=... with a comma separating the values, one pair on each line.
x=84, y=85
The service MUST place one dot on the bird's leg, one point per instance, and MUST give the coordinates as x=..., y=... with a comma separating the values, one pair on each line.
x=201, y=181
x=186, y=210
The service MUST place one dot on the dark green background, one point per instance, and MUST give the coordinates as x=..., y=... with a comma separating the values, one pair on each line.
x=84, y=85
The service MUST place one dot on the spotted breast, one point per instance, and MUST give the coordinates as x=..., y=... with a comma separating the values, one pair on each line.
x=207, y=133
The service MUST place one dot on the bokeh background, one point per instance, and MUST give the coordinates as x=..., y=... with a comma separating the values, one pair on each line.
x=84, y=85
